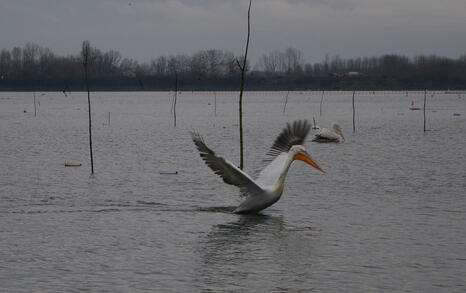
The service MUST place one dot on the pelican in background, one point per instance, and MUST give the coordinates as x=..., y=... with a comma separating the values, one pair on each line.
x=268, y=187
x=327, y=135
x=413, y=108
x=314, y=125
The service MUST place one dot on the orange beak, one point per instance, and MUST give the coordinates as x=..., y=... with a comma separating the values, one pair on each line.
x=306, y=158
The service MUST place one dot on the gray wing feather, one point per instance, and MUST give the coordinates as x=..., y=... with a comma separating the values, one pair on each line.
x=227, y=171
x=293, y=134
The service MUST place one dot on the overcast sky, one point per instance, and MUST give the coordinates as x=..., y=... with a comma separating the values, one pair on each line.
x=145, y=29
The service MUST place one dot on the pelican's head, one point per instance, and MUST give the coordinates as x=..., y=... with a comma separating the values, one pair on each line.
x=336, y=127
x=300, y=153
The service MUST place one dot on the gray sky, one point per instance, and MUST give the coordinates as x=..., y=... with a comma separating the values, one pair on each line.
x=145, y=29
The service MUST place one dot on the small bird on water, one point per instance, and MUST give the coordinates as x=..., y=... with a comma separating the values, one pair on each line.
x=327, y=135
x=268, y=187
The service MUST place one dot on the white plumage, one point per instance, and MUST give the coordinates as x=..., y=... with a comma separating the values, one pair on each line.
x=326, y=135
x=268, y=187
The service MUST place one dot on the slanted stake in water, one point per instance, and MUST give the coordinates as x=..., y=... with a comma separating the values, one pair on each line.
x=286, y=101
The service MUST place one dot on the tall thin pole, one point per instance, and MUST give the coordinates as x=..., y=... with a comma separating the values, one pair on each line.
x=354, y=124
x=321, y=101
x=174, y=98
x=242, y=68
x=35, y=107
x=286, y=101
x=425, y=98
x=215, y=104
x=85, y=52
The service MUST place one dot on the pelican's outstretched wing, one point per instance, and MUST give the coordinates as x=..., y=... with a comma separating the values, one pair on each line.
x=229, y=172
x=293, y=134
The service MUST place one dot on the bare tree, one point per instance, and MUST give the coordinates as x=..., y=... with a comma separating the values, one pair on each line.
x=293, y=60
x=270, y=63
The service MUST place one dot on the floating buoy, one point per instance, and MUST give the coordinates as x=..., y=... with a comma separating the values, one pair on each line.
x=71, y=164
x=168, y=172
x=24, y=111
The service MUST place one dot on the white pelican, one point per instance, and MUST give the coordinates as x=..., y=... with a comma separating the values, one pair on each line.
x=268, y=187
x=326, y=135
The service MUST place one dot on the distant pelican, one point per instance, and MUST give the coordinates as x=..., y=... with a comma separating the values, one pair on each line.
x=314, y=125
x=413, y=107
x=268, y=187
x=326, y=135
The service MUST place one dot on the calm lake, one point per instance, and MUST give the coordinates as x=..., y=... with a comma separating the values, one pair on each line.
x=388, y=216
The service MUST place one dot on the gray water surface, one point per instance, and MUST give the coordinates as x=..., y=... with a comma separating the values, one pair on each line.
x=388, y=216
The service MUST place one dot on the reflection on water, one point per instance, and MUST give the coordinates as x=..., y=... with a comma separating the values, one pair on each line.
x=228, y=209
x=257, y=252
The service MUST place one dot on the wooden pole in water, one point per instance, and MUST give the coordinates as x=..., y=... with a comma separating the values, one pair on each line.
x=321, y=101
x=108, y=118
x=174, y=99
x=286, y=101
x=85, y=54
x=425, y=98
x=35, y=108
x=215, y=104
x=354, y=124
x=243, y=68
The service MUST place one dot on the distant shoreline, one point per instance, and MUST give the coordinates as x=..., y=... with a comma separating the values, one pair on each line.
x=252, y=85
x=34, y=68
x=397, y=91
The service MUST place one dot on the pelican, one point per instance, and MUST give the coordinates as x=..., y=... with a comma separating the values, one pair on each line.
x=268, y=187
x=327, y=135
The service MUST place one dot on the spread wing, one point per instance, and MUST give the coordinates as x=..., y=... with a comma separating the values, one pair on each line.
x=293, y=134
x=230, y=173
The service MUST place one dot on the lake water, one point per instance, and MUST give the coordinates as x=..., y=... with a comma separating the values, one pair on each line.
x=388, y=216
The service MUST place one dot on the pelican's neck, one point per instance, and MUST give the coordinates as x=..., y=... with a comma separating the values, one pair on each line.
x=273, y=176
x=286, y=167
x=341, y=138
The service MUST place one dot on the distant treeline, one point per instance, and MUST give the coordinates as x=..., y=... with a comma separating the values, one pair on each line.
x=37, y=68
